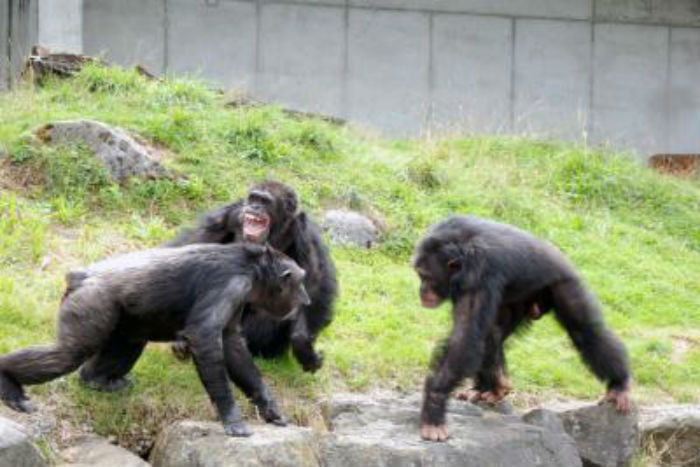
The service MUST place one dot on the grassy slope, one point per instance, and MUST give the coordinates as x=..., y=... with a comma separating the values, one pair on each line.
x=635, y=236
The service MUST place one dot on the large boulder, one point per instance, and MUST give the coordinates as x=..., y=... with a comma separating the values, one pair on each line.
x=201, y=444
x=671, y=434
x=121, y=154
x=604, y=436
x=350, y=228
x=16, y=449
x=98, y=452
x=383, y=431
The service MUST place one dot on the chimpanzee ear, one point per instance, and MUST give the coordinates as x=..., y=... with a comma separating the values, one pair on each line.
x=286, y=273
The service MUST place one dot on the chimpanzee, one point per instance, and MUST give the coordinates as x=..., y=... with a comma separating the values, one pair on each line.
x=499, y=278
x=114, y=307
x=271, y=213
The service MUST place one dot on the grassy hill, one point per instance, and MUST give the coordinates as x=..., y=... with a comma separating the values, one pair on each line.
x=634, y=235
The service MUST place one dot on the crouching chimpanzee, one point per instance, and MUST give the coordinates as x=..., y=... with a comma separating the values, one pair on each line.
x=270, y=213
x=498, y=278
x=113, y=308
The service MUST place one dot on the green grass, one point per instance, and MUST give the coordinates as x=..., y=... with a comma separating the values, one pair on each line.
x=634, y=235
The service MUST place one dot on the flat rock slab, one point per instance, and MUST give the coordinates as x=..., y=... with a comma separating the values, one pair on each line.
x=98, y=452
x=200, y=444
x=384, y=432
x=671, y=434
x=122, y=155
x=350, y=228
x=16, y=449
x=604, y=436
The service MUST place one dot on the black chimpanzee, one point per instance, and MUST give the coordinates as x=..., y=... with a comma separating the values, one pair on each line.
x=499, y=278
x=270, y=213
x=114, y=307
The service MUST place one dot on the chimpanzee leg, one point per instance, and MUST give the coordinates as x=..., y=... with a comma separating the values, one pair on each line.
x=577, y=310
x=80, y=333
x=207, y=352
x=107, y=370
x=243, y=372
x=303, y=342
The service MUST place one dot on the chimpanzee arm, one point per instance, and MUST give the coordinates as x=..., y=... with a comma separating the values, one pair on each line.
x=243, y=372
x=218, y=226
x=203, y=332
x=473, y=315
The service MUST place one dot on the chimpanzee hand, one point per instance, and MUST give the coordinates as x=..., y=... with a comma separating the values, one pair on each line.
x=271, y=413
x=311, y=362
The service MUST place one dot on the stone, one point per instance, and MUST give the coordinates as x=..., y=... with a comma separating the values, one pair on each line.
x=98, y=452
x=604, y=436
x=16, y=449
x=671, y=434
x=383, y=431
x=544, y=418
x=202, y=444
x=121, y=154
x=350, y=228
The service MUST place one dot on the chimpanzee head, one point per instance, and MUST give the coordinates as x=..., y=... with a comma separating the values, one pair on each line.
x=268, y=212
x=437, y=263
x=281, y=290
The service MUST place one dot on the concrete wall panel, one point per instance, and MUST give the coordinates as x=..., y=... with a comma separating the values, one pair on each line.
x=128, y=32
x=579, y=9
x=676, y=12
x=302, y=57
x=684, y=91
x=630, y=86
x=215, y=41
x=23, y=26
x=61, y=25
x=388, y=57
x=552, y=78
x=4, y=58
x=471, y=73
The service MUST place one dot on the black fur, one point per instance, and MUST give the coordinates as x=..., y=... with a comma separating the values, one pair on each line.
x=494, y=274
x=295, y=234
x=114, y=307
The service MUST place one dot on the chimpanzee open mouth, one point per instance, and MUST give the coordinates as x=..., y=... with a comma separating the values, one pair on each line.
x=255, y=227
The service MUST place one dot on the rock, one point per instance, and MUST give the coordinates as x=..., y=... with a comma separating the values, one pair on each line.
x=98, y=452
x=383, y=431
x=604, y=436
x=544, y=418
x=350, y=228
x=121, y=154
x=671, y=434
x=16, y=450
x=200, y=444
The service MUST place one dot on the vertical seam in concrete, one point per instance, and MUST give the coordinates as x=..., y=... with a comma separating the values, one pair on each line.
x=431, y=71
x=512, y=76
x=166, y=37
x=256, y=64
x=667, y=103
x=591, y=78
x=8, y=44
x=344, y=98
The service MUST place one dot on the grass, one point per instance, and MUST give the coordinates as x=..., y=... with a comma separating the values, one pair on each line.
x=634, y=235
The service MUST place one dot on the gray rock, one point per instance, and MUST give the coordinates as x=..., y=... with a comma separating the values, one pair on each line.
x=350, y=228
x=98, y=452
x=16, y=450
x=383, y=431
x=122, y=155
x=544, y=418
x=200, y=444
x=604, y=437
x=671, y=434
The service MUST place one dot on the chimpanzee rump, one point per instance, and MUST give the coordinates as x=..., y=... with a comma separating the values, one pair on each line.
x=499, y=278
x=114, y=307
x=270, y=213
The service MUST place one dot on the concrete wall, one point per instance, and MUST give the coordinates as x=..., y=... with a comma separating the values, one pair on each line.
x=619, y=71
x=18, y=32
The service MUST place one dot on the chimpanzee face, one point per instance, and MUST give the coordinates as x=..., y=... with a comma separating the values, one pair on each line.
x=434, y=268
x=268, y=211
x=285, y=293
x=255, y=216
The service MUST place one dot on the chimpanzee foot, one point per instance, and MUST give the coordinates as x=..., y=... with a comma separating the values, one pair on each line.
x=620, y=398
x=23, y=405
x=12, y=394
x=271, y=413
x=237, y=428
x=434, y=432
x=106, y=384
